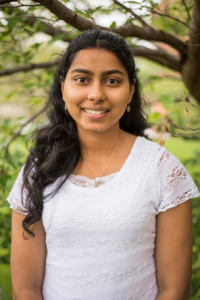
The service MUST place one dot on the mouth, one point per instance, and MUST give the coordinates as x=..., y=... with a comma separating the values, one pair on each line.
x=95, y=112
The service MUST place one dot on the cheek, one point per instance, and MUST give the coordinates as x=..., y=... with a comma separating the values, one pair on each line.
x=72, y=96
x=120, y=97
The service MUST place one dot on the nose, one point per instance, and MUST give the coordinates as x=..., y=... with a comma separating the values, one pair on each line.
x=96, y=93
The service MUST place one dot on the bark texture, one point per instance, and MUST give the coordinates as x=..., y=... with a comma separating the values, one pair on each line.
x=191, y=65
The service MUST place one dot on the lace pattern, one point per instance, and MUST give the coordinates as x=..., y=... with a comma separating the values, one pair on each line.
x=15, y=196
x=177, y=185
x=97, y=278
x=86, y=182
x=137, y=293
x=107, y=217
x=177, y=175
x=100, y=248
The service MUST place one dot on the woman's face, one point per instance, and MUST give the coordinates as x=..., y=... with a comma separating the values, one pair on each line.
x=96, y=90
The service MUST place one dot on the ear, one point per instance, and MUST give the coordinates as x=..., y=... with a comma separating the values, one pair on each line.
x=132, y=90
x=62, y=87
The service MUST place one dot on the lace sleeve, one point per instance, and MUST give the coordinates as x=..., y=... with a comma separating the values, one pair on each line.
x=15, y=196
x=174, y=182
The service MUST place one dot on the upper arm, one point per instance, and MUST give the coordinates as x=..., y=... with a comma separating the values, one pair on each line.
x=27, y=255
x=174, y=249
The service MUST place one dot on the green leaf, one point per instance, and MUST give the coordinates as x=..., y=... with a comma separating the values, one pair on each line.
x=173, y=115
x=37, y=24
x=16, y=12
x=6, y=10
x=5, y=210
x=96, y=9
x=4, y=252
x=56, y=38
x=12, y=93
x=134, y=2
x=154, y=77
x=12, y=160
x=128, y=20
x=167, y=100
x=36, y=45
x=30, y=84
x=113, y=25
x=154, y=117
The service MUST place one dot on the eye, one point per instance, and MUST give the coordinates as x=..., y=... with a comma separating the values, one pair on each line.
x=113, y=81
x=81, y=79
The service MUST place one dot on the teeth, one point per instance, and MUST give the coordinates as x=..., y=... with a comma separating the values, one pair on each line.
x=95, y=112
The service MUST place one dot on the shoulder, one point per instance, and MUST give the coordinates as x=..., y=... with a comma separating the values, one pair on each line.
x=147, y=144
x=163, y=161
x=142, y=144
x=147, y=150
x=151, y=155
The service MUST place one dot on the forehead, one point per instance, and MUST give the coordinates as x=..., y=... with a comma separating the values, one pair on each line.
x=96, y=59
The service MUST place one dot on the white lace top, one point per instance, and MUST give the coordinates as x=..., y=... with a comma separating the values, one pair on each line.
x=101, y=241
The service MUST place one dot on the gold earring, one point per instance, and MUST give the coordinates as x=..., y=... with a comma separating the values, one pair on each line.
x=65, y=107
x=128, y=108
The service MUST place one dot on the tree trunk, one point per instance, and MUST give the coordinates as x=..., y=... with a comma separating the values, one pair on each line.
x=190, y=69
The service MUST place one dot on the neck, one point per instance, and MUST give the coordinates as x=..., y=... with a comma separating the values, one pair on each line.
x=98, y=144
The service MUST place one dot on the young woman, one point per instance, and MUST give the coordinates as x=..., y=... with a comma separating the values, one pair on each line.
x=105, y=209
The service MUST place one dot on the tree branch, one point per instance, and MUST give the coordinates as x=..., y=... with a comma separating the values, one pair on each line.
x=187, y=100
x=28, y=68
x=127, y=30
x=7, y=1
x=43, y=26
x=64, y=13
x=193, y=105
x=159, y=56
x=182, y=128
x=16, y=134
x=184, y=134
x=22, y=5
x=170, y=17
x=150, y=34
x=28, y=16
x=132, y=13
x=186, y=9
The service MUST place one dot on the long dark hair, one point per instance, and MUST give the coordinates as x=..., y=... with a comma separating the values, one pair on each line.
x=56, y=152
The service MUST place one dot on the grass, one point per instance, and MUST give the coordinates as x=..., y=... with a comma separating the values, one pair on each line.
x=182, y=149
x=5, y=282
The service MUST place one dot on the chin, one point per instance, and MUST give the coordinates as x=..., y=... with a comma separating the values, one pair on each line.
x=96, y=130
x=93, y=128
x=97, y=127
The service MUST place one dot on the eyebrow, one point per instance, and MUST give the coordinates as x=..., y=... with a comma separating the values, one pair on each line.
x=109, y=72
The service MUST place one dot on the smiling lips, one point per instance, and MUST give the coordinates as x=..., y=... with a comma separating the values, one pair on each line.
x=95, y=113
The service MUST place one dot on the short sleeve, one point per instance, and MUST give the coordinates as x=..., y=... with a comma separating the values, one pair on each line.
x=15, y=196
x=174, y=183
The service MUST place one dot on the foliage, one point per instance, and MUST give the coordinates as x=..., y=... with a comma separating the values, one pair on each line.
x=5, y=282
x=9, y=171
